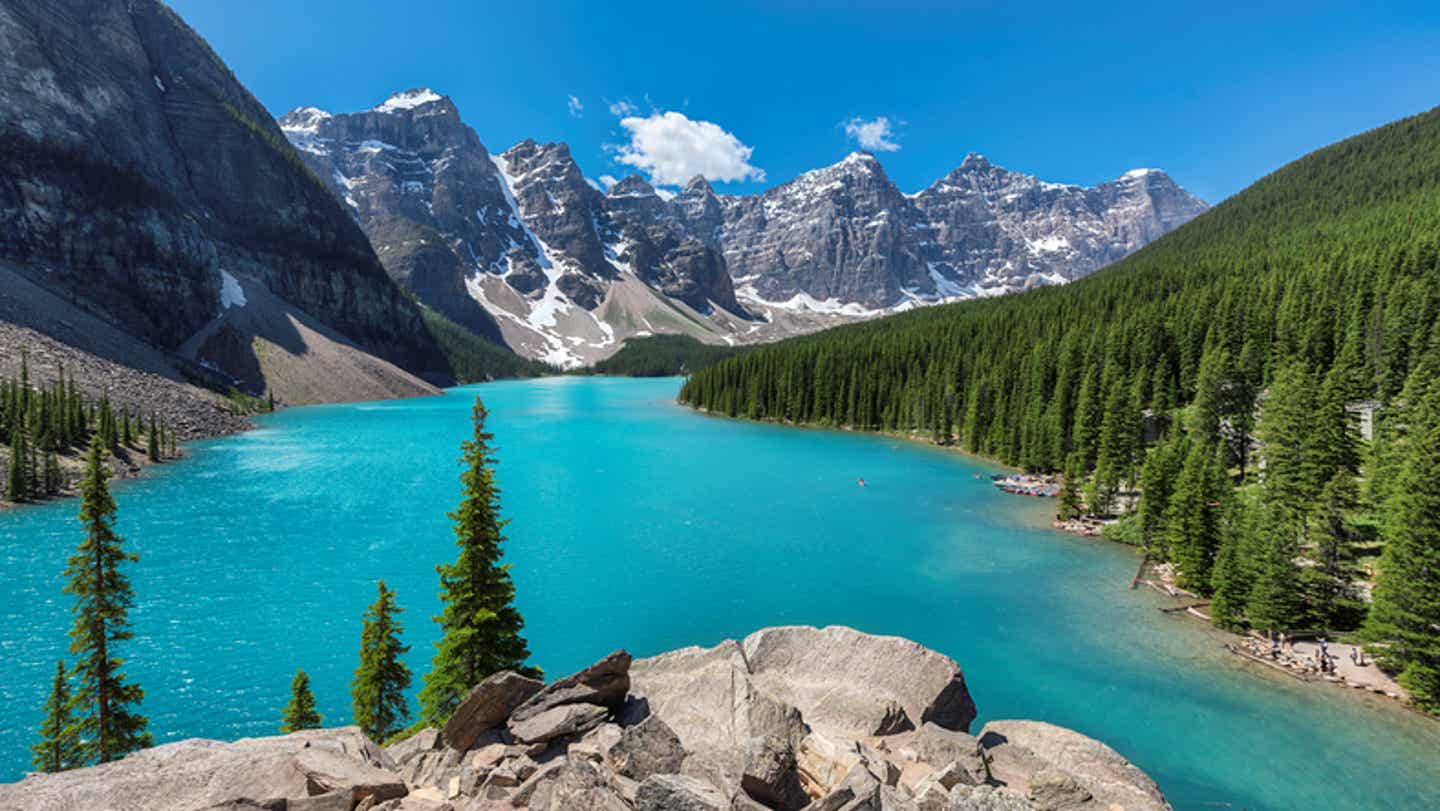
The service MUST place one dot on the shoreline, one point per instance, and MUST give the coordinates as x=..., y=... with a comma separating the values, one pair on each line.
x=135, y=467
x=1229, y=641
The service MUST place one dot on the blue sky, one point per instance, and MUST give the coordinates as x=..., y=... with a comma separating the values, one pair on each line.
x=1071, y=92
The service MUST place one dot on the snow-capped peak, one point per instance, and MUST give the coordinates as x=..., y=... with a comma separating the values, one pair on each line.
x=303, y=119
x=1138, y=173
x=974, y=160
x=408, y=100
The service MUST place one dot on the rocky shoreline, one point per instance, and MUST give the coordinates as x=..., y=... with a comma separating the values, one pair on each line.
x=788, y=718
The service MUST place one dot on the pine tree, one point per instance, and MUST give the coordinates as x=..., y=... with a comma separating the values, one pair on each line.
x=109, y=725
x=300, y=713
x=152, y=441
x=1330, y=582
x=59, y=746
x=17, y=486
x=1274, y=602
x=1119, y=440
x=54, y=478
x=1070, y=506
x=1209, y=406
x=1157, y=484
x=480, y=627
x=378, y=690
x=1192, y=521
x=1232, y=578
x=1405, y=615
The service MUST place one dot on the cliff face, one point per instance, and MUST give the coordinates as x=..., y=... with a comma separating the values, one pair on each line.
x=841, y=233
x=992, y=230
x=787, y=718
x=521, y=237
x=135, y=172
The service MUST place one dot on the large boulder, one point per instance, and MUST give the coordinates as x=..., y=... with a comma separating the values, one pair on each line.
x=857, y=684
x=603, y=684
x=426, y=740
x=558, y=722
x=673, y=792
x=939, y=746
x=1060, y=768
x=786, y=683
x=770, y=776
x=568, y=784
x=487, y=705
x=648, y=748
x=706, y=695
x=196, y=773
x=987, y=798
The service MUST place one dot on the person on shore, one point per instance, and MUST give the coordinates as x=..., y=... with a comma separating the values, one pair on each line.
x=1274, y=648
x=1353, y=659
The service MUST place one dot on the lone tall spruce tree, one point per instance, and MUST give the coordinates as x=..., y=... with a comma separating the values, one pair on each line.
x=108, y=724
x=378, y=691
x=480, y=628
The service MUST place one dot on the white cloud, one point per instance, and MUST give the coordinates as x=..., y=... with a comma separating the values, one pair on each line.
x=622, y=108
x=576, y=107
x=874, y=135
x=673, y=148
x=607, y=181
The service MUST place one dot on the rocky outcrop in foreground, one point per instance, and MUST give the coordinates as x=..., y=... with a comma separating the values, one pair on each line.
x=788, y=718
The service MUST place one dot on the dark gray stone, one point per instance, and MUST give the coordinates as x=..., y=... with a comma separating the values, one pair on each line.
x=648, y=748
x=770, y=775
x=673, y=792
x=558, y=722
x=487, y=705
x=603, y=684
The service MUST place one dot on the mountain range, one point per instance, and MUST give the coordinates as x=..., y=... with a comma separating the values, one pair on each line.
x=322, y=257
x=523, y=248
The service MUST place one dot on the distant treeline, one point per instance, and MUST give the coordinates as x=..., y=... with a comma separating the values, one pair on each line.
x=473, y=359
x=663, y=356
x=39, y=424
x=1252, y=327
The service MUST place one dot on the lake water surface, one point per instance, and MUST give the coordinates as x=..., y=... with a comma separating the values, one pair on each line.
x=639, y=524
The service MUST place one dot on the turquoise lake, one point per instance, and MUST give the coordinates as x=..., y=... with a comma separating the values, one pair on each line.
x=637, y=523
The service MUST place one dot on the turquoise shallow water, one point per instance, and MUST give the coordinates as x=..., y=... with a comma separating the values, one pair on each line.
x=637, y=523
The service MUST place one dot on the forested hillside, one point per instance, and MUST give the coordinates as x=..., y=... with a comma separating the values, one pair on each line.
x=1244, y=333
x=663, y=356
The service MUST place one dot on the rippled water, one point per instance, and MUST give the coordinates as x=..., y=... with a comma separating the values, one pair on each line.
x=639, y=524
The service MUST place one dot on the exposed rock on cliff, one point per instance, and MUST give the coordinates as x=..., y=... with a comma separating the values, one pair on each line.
x=141, y=182
x=788, y=718
x=518, y=247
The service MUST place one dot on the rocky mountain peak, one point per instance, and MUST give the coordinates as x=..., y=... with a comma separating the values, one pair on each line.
x=415, y=99
x=304, y=119
x=632, y=186
x=697, y=185
x=860, y=160
x=975, y=161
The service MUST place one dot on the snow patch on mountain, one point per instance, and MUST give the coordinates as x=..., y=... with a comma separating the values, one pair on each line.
x=231, y=293
x=408, y=100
